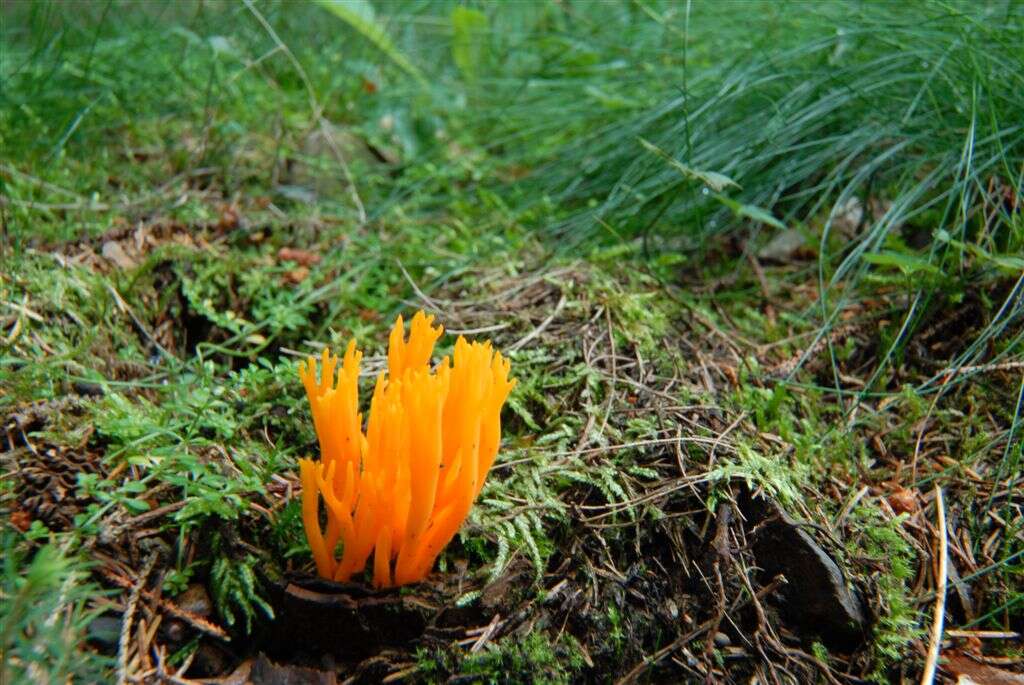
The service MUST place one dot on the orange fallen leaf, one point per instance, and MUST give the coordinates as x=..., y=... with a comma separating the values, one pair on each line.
x=228, y=218
x=970, y=672
x=21, y=520
x=903, y=501
x=297, y=275
x=972, y=645
x=301, y=257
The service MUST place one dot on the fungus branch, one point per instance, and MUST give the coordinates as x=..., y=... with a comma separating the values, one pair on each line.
x=401, y=489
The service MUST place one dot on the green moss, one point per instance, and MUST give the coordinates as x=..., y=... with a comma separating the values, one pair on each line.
x=898, y=620
x=530, y=659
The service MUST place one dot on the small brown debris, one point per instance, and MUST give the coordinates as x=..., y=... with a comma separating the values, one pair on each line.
x=228, y=218
x=903, y=501
x=297, y=275
x=302, y=257
x=514, y=172
x=21, y=520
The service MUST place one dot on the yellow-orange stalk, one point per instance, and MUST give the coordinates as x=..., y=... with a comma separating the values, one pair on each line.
x=402, y=488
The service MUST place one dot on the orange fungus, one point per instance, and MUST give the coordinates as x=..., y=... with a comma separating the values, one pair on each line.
x=401, y=488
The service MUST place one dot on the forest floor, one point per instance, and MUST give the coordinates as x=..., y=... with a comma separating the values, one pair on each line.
x=697, y=481
x=154, y=410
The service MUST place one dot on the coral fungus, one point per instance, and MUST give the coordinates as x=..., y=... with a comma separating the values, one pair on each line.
x=402, y=488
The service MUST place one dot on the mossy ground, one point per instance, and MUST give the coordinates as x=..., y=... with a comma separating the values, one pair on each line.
x=165, y=263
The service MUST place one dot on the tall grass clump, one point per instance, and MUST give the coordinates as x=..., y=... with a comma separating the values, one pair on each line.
x=675, y=122
x=788, y=120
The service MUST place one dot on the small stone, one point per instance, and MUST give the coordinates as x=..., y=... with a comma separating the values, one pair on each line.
x=196, y=600
x=783, y=246
x=104, y=630
x=175, y=631
x=848, y=217
x=266, y=672
x=817, y=596
x=722, y=640
x=88, y=389
x=210, y=661
x=297, y=194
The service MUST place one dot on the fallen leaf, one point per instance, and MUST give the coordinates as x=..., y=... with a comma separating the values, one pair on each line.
x=903, y=501
x=21, y=520
x=970, y=672
x=228, y=218
x=972, y=645
x=302, y=257
x=297, y=275
x=113, y=252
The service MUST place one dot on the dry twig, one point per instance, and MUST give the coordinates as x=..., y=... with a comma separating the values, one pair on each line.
x=928, y=677
x=126, y=620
